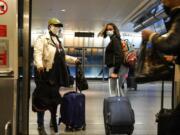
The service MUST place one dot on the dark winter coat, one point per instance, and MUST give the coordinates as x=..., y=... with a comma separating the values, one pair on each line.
x=113, y=53
x=170, y=44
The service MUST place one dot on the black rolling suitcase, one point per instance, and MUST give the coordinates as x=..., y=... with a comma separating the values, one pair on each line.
x=164, y=117
x=72, y=110
x=131, y=82
x=118, y=115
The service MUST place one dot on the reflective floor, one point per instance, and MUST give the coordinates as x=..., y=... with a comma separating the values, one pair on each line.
x=145, y=102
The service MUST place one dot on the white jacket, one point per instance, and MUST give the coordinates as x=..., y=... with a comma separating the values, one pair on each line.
x=44, y=52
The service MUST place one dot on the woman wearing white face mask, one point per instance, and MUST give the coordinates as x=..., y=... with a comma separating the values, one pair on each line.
x=50, y=73
x=113, y=56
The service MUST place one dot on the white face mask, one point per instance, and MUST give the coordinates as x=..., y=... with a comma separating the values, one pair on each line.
x=109, y=33
x=54, y=30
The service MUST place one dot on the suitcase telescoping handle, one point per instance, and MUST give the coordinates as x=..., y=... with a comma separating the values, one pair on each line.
x=162, y=92
x=172, y=103
x=76, y=72
x=162, y=95
x=117, y=84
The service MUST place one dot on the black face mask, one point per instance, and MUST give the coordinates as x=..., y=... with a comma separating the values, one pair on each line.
x=167, y=10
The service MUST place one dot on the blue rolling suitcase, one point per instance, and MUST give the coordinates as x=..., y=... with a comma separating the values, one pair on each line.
x=118, y=115
x=72, y=109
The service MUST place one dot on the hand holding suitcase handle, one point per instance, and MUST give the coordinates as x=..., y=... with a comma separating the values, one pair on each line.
x=78, y=61
x=114, y=76
x=117, y=83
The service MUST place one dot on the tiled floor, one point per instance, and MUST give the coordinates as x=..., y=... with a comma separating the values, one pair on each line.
x=145, y=102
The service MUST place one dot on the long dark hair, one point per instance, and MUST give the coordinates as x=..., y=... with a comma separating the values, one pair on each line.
x=116, y=30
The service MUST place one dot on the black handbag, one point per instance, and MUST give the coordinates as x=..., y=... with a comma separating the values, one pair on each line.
x=81, y=82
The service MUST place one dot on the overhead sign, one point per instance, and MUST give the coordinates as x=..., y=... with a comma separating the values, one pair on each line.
x=3, y=7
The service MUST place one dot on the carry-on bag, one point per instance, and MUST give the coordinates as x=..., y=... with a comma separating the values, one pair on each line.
x=131, y=82
x=118, y=115
x=72, y=110
x=165, y=116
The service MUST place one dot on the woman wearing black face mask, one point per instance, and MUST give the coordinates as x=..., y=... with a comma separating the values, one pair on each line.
x=113, y=56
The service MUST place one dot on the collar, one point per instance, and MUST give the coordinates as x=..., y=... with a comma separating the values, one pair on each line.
x=175, y=11
x=178, y=7
x=112, y=36
x=48, y=37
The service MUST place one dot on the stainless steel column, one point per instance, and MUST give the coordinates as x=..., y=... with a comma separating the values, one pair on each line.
x=25, y=81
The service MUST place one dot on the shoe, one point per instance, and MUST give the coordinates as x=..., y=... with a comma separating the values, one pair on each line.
x=55, y=127
x=41, y=130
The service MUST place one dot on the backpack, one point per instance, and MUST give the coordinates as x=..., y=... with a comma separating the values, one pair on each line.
x=129, y=53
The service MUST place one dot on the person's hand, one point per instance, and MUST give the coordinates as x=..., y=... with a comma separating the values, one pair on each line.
x=146, y=34
x=40, y=70
x=113, y=75
x=78, y=62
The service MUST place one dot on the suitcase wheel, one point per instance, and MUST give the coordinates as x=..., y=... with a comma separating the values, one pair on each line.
x=135, y=88
x=84, y=127
x=69, y=129
x=107, y=131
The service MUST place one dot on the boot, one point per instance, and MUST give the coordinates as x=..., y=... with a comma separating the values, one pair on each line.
x=41, y=130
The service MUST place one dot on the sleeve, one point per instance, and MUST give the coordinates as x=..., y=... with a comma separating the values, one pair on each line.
x=117, y=53
x=38, y=53
x=70, y=59
x=168, y=43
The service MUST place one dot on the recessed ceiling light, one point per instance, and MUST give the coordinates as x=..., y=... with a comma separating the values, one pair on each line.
x=63, y=10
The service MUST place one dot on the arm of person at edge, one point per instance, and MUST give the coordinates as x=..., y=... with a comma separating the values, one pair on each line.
x=38, y=54
x=167, y=43
x=118, y=55
x=72, y=60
